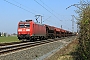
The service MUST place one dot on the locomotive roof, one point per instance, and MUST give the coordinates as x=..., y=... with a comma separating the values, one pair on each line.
x=26, y=21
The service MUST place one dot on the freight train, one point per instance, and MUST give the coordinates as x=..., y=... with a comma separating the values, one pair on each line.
x=30, y=30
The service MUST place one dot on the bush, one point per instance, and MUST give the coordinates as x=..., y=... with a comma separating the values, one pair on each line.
x=84, y=33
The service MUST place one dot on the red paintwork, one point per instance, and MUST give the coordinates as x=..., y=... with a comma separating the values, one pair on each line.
x=57, y=29
x=38, y=29
x=62, y=30
x=50, y=27
x=35, y=29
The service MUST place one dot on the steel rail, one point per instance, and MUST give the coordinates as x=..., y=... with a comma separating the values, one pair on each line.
x=17, y=46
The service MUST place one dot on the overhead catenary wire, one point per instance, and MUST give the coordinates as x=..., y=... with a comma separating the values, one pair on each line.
x=47, y=18
x=47, y=10
x=49, y=7
x=28, y=10
x=52, y=10
x=24, y=5
x=19, y=7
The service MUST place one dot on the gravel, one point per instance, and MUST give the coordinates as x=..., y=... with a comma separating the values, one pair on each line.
x=38, y=52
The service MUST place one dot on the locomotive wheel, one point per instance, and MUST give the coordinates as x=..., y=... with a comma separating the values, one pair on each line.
x=34, y=39
x=45, y=38
x=40, y=38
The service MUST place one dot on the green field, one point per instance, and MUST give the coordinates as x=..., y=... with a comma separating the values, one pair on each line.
x=8, y=39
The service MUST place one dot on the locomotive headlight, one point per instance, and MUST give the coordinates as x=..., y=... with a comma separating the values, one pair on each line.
x=19, y=29
x=27, y=29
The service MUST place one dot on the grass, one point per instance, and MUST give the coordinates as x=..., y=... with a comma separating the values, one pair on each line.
x=8, y=39
x=67, y=53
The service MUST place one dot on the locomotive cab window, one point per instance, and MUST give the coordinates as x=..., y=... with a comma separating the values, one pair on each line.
x=27, y=25
x=24, y=25
x=21, y=25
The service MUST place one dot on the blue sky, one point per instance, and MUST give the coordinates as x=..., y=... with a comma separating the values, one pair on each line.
x=53, y=11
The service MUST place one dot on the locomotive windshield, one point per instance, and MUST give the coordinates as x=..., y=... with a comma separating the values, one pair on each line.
x=21, y=25
x=26, y=25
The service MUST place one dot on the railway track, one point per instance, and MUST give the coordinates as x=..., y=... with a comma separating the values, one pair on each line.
x=11, y=47
x=8, y=47
x=4, y=44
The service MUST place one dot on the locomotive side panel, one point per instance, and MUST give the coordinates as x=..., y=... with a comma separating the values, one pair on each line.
x=39, y=30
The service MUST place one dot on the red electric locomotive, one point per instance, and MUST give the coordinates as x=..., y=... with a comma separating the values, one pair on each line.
x=30, y=30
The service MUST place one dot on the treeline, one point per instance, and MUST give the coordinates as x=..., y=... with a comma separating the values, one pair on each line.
x=3, y=34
